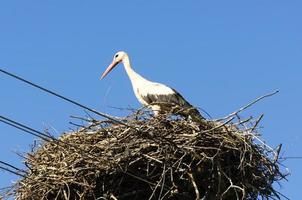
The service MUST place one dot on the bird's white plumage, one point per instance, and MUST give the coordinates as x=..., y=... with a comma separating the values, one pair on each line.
x=150, y=88
x=142, y=86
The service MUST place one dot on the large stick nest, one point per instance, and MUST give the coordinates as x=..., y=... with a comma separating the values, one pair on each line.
x=153, y=158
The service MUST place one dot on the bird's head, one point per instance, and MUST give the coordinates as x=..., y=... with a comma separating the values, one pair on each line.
x=117, y=58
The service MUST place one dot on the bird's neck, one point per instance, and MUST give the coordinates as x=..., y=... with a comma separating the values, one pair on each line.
x=131, y=73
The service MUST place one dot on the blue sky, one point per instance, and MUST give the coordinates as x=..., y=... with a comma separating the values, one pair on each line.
x=219, y=54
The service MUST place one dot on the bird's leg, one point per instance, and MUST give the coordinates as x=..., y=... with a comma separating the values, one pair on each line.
x=156, y=110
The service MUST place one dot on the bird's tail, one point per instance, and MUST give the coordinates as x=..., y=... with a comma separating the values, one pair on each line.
x=191, y=113
x=195, y=115
x=187, y=111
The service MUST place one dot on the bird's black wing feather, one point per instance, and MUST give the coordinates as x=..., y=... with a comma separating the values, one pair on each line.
x=173, y=98
x=168, y=100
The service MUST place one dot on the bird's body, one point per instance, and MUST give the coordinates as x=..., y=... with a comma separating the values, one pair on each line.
x=159, y=97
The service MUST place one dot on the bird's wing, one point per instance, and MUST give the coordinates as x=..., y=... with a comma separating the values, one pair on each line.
x=159, y=93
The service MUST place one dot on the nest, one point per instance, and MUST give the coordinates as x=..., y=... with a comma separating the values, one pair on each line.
x=164, y=157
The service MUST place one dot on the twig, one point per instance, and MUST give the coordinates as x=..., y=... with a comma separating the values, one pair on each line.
x=257, y=122
x=163, y=181
x=81, y=118
x=291, y=157
x=210, y=130
x=217, y=127
x=113, y=197
x=151, y=158
x=194, y=185
x=248, y=105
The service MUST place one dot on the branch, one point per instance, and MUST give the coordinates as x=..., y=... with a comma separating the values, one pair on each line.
x=248, y=105
x=195, y=186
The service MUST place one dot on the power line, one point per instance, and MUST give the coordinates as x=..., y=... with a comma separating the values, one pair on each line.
x=15, y=171
x=11, y=166
x=43, y=136
x=12, y=171
x=23, y=129
x=291, y=157
x=62, y=97
x=27, y=128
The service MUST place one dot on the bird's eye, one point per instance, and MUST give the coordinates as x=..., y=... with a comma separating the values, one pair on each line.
x=116, y=56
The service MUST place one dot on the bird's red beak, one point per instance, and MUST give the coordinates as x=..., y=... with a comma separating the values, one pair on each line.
x=109, y=68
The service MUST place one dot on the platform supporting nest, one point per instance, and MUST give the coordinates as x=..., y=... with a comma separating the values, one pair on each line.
x=153, y=158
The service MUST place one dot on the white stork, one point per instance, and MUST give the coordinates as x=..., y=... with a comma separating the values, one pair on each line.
x=159, y=97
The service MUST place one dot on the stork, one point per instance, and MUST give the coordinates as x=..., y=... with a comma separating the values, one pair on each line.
x=159, y=97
